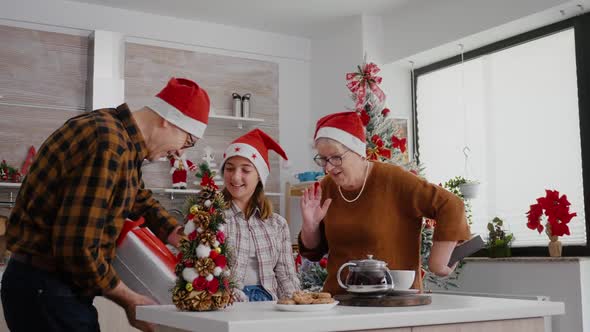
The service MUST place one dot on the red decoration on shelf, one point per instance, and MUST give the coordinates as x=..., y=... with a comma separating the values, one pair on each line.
x=27, y=163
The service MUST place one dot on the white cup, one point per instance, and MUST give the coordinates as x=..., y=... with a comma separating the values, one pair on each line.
x=402, y=279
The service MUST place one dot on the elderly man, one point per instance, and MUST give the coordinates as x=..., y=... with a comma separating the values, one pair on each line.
x=85, y=181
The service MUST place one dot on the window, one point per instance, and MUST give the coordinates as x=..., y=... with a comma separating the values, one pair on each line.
x=516, y=106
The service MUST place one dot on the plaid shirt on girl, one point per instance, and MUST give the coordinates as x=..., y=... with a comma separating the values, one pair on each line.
x=276, y=265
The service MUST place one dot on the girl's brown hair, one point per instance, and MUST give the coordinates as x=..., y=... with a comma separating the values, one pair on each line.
x=258, y=200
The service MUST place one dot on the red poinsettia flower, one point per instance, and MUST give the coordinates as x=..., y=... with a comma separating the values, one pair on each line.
x=324, y=262
x=200, y=283
x=220, y=237
x=213, y=286
x=557, y=210
x=534, y=217
x=559, y=229
x=220, y=261
x=385, y=111
x=213, y=254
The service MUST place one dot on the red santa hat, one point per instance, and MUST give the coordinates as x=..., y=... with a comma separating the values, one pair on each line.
x=254, y=146
x=346, y=128
x=183, y=103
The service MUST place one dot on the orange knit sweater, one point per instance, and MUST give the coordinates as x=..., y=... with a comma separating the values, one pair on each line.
x=385, y=222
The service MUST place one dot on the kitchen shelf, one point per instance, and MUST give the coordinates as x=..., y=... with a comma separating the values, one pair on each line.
x=241, y=122
x=172, y=192
x=9, y=184
x=12, y=197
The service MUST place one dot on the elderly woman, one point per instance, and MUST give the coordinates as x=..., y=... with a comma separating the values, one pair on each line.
x=263, y=261
x=364, y=207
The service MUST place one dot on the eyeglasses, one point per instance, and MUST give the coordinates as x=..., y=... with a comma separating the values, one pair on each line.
x=334, y=160
x=190, y=142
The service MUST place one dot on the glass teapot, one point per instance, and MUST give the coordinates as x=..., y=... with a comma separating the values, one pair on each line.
x=367, y=276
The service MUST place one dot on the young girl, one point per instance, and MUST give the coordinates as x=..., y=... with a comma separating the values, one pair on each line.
x=263, y=259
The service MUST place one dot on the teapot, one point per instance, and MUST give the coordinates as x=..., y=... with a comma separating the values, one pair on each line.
x=367, y=276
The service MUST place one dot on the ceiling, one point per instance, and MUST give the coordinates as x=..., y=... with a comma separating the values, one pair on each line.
x=292, y=17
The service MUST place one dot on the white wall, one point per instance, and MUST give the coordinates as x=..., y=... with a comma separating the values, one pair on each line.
x=138, y=24
x=429, y=24
x=337, y=48
x=373, y=38
x=291, y=53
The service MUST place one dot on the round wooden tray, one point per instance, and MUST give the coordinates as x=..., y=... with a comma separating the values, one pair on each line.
x=383, y=301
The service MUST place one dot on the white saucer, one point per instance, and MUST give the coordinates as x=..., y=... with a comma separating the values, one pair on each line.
x=403, y=291
x=306, y=307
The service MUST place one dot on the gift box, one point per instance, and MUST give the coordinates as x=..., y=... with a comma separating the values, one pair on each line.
x=144, y=263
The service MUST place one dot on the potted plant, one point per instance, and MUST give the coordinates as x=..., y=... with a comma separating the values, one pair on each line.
x=552, y=209
x=499, y=240
x=468, y=188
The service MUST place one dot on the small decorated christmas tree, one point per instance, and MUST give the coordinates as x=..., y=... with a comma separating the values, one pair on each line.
x=204, y=280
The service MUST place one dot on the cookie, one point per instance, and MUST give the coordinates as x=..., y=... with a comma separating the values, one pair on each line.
x=286, y=301
x=324, y=295
x=323, y=300
x=302, y=298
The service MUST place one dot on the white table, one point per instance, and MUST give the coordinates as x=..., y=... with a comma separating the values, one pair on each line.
x=446, y=313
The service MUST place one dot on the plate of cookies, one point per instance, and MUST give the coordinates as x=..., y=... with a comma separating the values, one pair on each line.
x=307, y=301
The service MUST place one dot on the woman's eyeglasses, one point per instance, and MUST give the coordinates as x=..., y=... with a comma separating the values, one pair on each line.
x=333, y=160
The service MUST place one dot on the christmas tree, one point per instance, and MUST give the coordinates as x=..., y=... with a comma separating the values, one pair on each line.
x=384, y=141
x=204, y=280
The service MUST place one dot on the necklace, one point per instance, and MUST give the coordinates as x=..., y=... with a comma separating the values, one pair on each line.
x=362, y=188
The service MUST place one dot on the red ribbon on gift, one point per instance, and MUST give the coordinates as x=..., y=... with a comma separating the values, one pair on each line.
x=365, y=76
x=151, y=241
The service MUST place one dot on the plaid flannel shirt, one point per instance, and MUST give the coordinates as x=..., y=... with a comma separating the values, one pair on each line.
x=276, y=264
x=85, y=181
